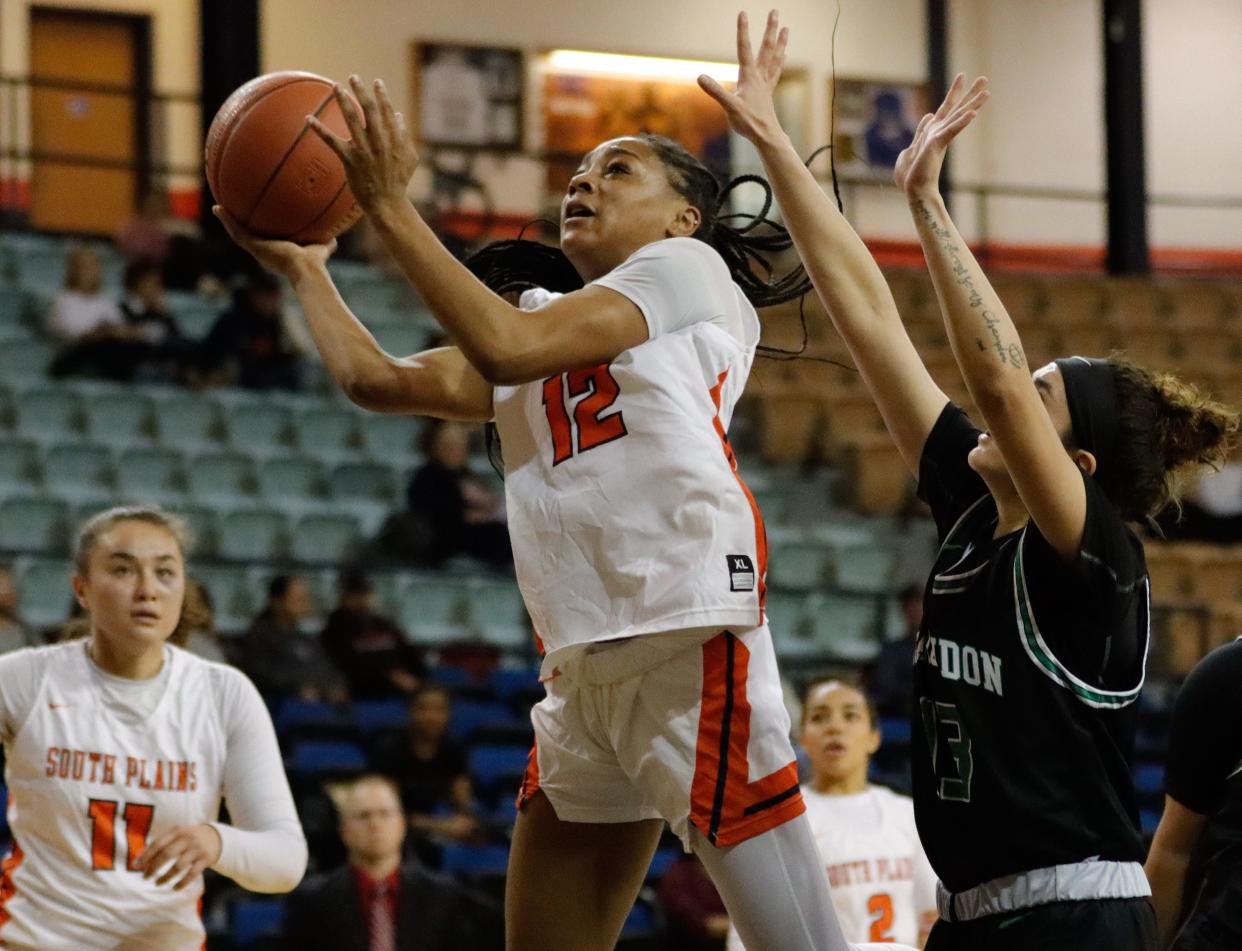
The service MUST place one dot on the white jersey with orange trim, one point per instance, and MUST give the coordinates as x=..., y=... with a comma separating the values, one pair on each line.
x=625, y=507
x=882, y=884
x=98, y=766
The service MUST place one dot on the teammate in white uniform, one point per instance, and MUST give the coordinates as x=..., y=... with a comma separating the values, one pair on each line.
x=883, y=887
x=119, y=748
x=640, y=554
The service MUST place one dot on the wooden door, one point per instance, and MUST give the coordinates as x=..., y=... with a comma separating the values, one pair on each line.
x=88, y=95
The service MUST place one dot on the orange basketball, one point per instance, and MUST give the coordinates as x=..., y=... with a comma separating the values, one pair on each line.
x=270, y=170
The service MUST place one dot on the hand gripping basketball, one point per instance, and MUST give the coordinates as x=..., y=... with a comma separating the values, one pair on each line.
x=379, y=157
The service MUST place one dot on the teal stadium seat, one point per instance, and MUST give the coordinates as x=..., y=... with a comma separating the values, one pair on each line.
x=365, y=481
x=392, y=438
x=788, y=617
x=34, y=525
x=222, y=477
x=292, y=477
x=151, y=475
x=120, y=419
x=865, y=567
x=204, y=534
x=799, y=566
x=329, y=433
x=46, y=592
x=325, y=539
x=260, y=429
x=49, y=415
x=24, y=358
x=252, y=535
x=845, y=627
x=192, y=422
x=435, y=610
x=19, y=467
x=499, y=614
x=79, y=472
x=232, y=600
x=400, y=340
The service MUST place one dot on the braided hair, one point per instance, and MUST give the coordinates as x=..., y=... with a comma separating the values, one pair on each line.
x=520, y=264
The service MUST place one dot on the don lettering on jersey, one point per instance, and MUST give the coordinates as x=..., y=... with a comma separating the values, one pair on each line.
x=871, y=872
x=110, y=769
x=954, y=662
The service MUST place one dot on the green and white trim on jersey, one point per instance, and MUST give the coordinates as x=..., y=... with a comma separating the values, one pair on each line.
x=1041, y=654
x=947, y=581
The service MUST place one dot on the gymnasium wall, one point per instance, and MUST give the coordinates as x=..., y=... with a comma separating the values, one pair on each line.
x=1043, y=129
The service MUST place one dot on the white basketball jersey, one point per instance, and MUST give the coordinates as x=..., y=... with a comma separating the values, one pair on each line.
x=88, y=788
x=625, y=508
x=881, y=882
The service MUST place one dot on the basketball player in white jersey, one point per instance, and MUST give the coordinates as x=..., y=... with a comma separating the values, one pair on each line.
x=640, y=554
x=119, y=748
x=883, y=887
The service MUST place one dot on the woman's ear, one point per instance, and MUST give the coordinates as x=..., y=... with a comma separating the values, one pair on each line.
x=79, y=591
x=1084, y=460
x=686, y=223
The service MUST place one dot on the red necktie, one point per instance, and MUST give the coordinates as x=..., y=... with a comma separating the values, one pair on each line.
x=383, y=931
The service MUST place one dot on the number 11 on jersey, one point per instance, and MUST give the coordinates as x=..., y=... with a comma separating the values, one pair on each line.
x=137, y=817
x=600, y=390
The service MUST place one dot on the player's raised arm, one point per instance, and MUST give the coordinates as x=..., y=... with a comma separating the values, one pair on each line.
x=585, y=328
x=845, y=275
x=433, y=383
x=984, y=339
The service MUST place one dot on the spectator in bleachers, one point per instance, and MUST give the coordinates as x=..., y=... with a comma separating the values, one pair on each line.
x=892, y=682
x=81, y=314
x=369, y=650
x=14, y=632
x=377, y=901
x=453, y=508
x=145, y=235
x=198, y=624
x=278, y=657
x=162, y=352
x=430, y=769
x=249, y=345
x=697, y=918
x=866, y=834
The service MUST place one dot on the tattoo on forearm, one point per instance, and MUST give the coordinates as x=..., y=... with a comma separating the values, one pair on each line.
x=1008, y=353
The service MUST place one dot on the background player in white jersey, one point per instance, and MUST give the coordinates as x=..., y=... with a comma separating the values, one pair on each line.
x=119, y=748
x=640, y=554
x=883, y=887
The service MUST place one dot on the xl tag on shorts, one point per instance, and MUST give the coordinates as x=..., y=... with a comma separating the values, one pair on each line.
x=741, y=573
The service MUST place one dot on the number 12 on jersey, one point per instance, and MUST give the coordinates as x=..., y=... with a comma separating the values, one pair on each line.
x=600, y=390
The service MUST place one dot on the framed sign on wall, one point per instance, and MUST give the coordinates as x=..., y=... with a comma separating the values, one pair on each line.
x=468, y=97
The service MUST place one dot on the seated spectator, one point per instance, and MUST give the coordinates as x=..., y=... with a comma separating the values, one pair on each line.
x=367, y=648
x=197, y=630
x=145, y=235
x=697, y=919
x=430, y=770
x=249, y=346
x=145, y=308
x=81, y=313
x=892, y=681
x=278, y=657
x=452, y=507
x=14, y=632
x=376, y=901
x=865, y=833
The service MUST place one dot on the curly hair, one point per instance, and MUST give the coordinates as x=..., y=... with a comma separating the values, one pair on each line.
x=1169, y=430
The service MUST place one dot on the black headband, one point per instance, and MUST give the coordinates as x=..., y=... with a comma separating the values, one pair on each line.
x=1091, y=393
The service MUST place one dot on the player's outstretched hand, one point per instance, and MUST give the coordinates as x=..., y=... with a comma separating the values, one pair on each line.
x=279, y=256
x=379, y=157
x=190, y=849
x=918, y=167
x=749, y=106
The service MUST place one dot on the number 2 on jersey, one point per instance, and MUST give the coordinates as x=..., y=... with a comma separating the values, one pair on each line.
x=137, y=817
x=950, y=744
x=880, y=908
x=600, y=390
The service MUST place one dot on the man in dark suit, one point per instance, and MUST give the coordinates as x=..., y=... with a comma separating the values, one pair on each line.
x=376, y=903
